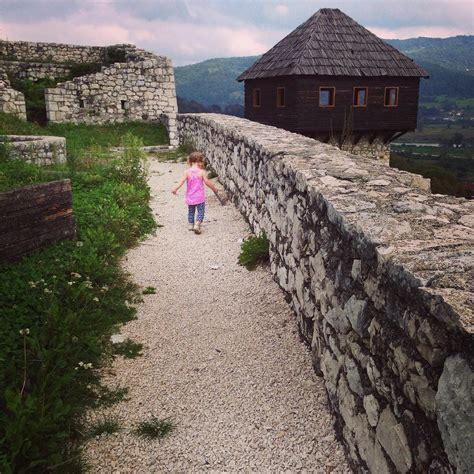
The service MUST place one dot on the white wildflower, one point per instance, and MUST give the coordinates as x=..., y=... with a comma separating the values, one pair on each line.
x=81, y=363
x=75, y=275
x=79, y=244
x=24, y=332
x=47, y=290
x=95, y=299
x=32, y=284
x=70, y=283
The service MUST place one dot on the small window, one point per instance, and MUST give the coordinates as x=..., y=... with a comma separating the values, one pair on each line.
x=327, y=96
x=82, y=103
x=256, y=98
x=391, y=97
x=280, y=97
x=360, y=97
x=124, y=104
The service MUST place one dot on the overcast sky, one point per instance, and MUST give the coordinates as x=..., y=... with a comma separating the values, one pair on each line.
x=189, y=31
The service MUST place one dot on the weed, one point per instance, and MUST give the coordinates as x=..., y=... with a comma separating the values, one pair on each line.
x=128, y=349
x=108, y=425
x=211, y=172
x=155, y=428
x=254, y=251
x=67, y=300
x=149, y=290
x=107, y=397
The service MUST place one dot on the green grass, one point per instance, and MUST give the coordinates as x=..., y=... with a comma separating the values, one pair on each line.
x=154, y=428
x=82, y=140
x=128, y=349
x=70, y=297
x=149, y=290
x=108, y=425
x=254, y=251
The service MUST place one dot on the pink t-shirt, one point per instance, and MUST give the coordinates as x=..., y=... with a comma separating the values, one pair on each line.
x=194, y=187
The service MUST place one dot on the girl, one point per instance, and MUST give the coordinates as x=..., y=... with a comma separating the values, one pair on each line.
x=195, y=178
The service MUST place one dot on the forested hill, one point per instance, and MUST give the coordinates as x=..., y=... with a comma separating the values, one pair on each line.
x=450, y=62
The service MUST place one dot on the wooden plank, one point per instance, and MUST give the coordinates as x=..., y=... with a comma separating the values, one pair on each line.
x=33, y=217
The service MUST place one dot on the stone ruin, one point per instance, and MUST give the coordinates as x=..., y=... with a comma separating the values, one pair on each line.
x=129, y=84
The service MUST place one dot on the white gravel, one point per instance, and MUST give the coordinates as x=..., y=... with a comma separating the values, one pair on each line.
x=222, y=358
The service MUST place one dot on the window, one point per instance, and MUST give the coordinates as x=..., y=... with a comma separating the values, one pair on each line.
x=82, y=103
x=256, y=98
x=327, y=96
x=360, y=97
x=124, y=104
x=391, y=97
x=280, y=97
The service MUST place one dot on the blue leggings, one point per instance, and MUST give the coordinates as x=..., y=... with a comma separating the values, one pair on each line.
x=191, y=211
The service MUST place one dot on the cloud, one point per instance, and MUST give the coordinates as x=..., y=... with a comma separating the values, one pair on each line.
x=194, y=30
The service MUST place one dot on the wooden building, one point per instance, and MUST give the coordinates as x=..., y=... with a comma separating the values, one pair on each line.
x=333, y=80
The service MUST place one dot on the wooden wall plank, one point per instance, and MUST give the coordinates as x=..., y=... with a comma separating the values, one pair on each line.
x=34, y=217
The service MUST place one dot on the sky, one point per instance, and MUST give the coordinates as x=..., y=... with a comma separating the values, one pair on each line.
x=189, y=31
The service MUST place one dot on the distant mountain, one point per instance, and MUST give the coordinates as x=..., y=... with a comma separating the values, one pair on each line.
x=455, y=53
x=212, y=82
x=450, y=62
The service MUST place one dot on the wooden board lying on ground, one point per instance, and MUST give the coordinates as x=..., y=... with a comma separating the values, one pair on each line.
x=33, y=217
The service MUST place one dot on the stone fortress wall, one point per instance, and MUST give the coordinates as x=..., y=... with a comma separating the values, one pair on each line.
x=380, y=275
x=139, y=87
x=41, y=150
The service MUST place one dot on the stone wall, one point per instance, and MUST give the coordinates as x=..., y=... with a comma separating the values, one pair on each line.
x=141, y=90
x=138, y=87
x=50, y=52
x=34, y=71
x=375, y=149
x=11, y=101
x=41, y=150
x=380, y=275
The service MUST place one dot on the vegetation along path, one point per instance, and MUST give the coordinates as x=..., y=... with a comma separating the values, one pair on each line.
x=221, y=358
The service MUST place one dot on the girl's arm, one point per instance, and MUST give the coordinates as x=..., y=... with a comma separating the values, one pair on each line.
x=180, y=183
x=209, y=183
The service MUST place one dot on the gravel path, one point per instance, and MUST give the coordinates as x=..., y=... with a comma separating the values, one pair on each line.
x=222, y=358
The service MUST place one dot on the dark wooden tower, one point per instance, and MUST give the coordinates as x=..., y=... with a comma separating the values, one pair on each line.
x=334, y=80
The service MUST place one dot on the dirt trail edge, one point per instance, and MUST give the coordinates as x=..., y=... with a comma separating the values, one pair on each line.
x=222, y=358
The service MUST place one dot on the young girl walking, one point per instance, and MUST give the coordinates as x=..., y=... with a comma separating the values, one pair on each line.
x=195, y=178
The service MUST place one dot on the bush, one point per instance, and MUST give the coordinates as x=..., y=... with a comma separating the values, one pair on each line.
x=254, y=251
x=59, y=308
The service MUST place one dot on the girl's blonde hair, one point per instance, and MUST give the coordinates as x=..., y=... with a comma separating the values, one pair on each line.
x=195, y=157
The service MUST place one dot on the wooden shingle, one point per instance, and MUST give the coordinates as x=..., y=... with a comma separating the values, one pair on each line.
x=330, y=43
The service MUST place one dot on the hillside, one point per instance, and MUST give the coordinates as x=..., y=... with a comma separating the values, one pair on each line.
x=450, y=61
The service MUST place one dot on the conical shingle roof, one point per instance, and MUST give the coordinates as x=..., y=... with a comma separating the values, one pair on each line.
x=330, y=43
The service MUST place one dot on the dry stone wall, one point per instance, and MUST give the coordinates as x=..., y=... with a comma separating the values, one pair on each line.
x=34, y=71
x=380, y=275
x=50, y=52
x=11, y=101
x=140, y=87
x=41, y=150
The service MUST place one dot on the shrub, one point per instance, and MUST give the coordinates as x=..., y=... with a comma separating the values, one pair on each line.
x=155, y=428
x=254, y=251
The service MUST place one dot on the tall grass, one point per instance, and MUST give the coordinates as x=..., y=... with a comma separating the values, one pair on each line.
x=59, y=307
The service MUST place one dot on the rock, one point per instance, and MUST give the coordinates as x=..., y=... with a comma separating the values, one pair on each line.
x=455, y=409
x=393, y=439
x=355, y=311
x=117, y=338
x=372, y=409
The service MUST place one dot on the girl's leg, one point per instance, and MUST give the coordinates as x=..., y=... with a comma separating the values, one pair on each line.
x=200, y=218
x=200, y=209
x=191, y=212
